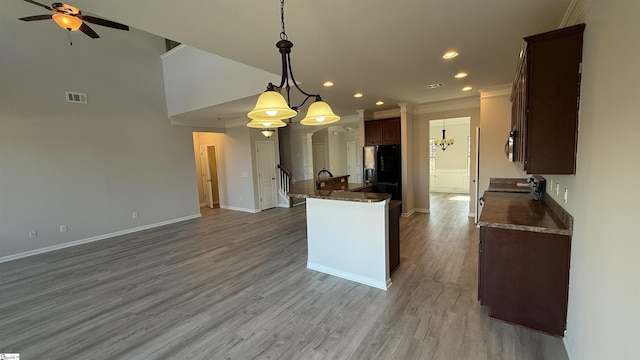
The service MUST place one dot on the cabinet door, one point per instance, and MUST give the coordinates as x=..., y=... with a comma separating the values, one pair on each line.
x=382, y=132
x=525, y=277
x=545, y=102
x=373, y=132
x=553, y=87
x=391, y=132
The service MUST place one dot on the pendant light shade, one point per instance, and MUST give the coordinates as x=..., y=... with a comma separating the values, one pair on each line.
x=319, y=113
x=67, y=22
x=266, y=123
x=271, y=105
x=267, y=132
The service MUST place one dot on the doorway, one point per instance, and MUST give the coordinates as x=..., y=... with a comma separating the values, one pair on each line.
x=209, y=175
x=450, y=166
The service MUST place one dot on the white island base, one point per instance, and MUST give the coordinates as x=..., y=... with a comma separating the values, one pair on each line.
x=349, y=239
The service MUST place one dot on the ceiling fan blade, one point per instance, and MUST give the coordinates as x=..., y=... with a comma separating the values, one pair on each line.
x=38, y=4
x=36, y=17
x=88, y=31
x=103, y=22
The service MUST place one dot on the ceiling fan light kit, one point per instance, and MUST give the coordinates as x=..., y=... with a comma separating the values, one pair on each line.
x=272, y=107
x=67, y=22
x=71, y=18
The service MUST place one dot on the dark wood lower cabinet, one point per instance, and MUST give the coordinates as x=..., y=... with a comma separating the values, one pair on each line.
x=524, y=277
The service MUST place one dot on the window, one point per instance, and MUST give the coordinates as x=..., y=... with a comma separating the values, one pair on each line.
x=432, y=156
x=468, y=156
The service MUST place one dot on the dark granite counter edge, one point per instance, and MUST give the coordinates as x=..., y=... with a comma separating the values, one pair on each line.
x=305, y=189
x=526, y=228
x=341, y=196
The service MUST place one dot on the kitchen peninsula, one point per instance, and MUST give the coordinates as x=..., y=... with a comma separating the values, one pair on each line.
x=348, y=230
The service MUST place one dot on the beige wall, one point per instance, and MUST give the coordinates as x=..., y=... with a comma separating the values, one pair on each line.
x=495, y=124
x=87, y=166
x=604, y=294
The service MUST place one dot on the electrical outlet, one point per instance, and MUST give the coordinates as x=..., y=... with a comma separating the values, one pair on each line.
x=566, y=195
x=134, y=214
x=241, y=198
x=33, y=234
x=63, y=228
x=557, y=189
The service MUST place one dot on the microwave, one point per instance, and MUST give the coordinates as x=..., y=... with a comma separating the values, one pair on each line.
x=508, y=146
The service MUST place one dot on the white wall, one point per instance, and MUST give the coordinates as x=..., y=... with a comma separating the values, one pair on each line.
x=197, y=79
x=604, y=293
x=86, y=166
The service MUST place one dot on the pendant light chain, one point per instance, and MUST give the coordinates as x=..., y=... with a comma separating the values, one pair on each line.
x=283, y=34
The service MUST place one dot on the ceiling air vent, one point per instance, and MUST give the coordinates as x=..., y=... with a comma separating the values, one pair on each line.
x=434, y=86
x=78, y=98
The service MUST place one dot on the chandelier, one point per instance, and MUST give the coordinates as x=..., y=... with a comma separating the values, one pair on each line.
x=272, y=107
x=443, y=143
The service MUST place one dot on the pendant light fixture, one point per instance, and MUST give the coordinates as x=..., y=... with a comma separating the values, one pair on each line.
x=272, y=107
x=443, y=143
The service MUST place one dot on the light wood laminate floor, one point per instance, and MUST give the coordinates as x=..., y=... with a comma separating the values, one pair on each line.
x=233, y=285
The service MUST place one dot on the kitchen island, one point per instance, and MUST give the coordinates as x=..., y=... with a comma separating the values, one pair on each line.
x=347, y=230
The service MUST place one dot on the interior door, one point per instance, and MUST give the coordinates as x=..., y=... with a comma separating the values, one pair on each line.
x=266, y=163
x=352, y=168
x=212, y=157
x=205, y=176
x=477, y=179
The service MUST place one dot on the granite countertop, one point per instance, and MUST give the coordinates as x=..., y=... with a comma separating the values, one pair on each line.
x=519, y=211
x=348, y=192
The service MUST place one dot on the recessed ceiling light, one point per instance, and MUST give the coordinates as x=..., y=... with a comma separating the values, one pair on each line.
x=449, y=54
x=467, y=88
x=460, y=75
x=379, y=102
x=358, y=95
x=328, y=83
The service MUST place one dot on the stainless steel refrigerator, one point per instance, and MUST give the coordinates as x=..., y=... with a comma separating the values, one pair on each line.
x=382, y=167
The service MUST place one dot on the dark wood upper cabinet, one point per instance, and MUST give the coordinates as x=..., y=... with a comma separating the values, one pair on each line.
x=382, y=132
x=545, y=99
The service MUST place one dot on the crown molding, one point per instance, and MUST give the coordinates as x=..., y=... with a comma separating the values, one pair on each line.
x=447, y=105
x=493, y=91
x=576, y=13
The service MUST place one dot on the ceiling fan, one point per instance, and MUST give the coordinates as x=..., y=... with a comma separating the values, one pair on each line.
x=71, y=18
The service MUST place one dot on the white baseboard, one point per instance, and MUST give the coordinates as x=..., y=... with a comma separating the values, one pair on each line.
x=383, y=285
x=234, y=208
x=568, y=348
x=94, y=238
x=421, y=210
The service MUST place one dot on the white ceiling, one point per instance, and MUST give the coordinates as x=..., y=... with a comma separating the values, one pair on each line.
x=388, y=50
